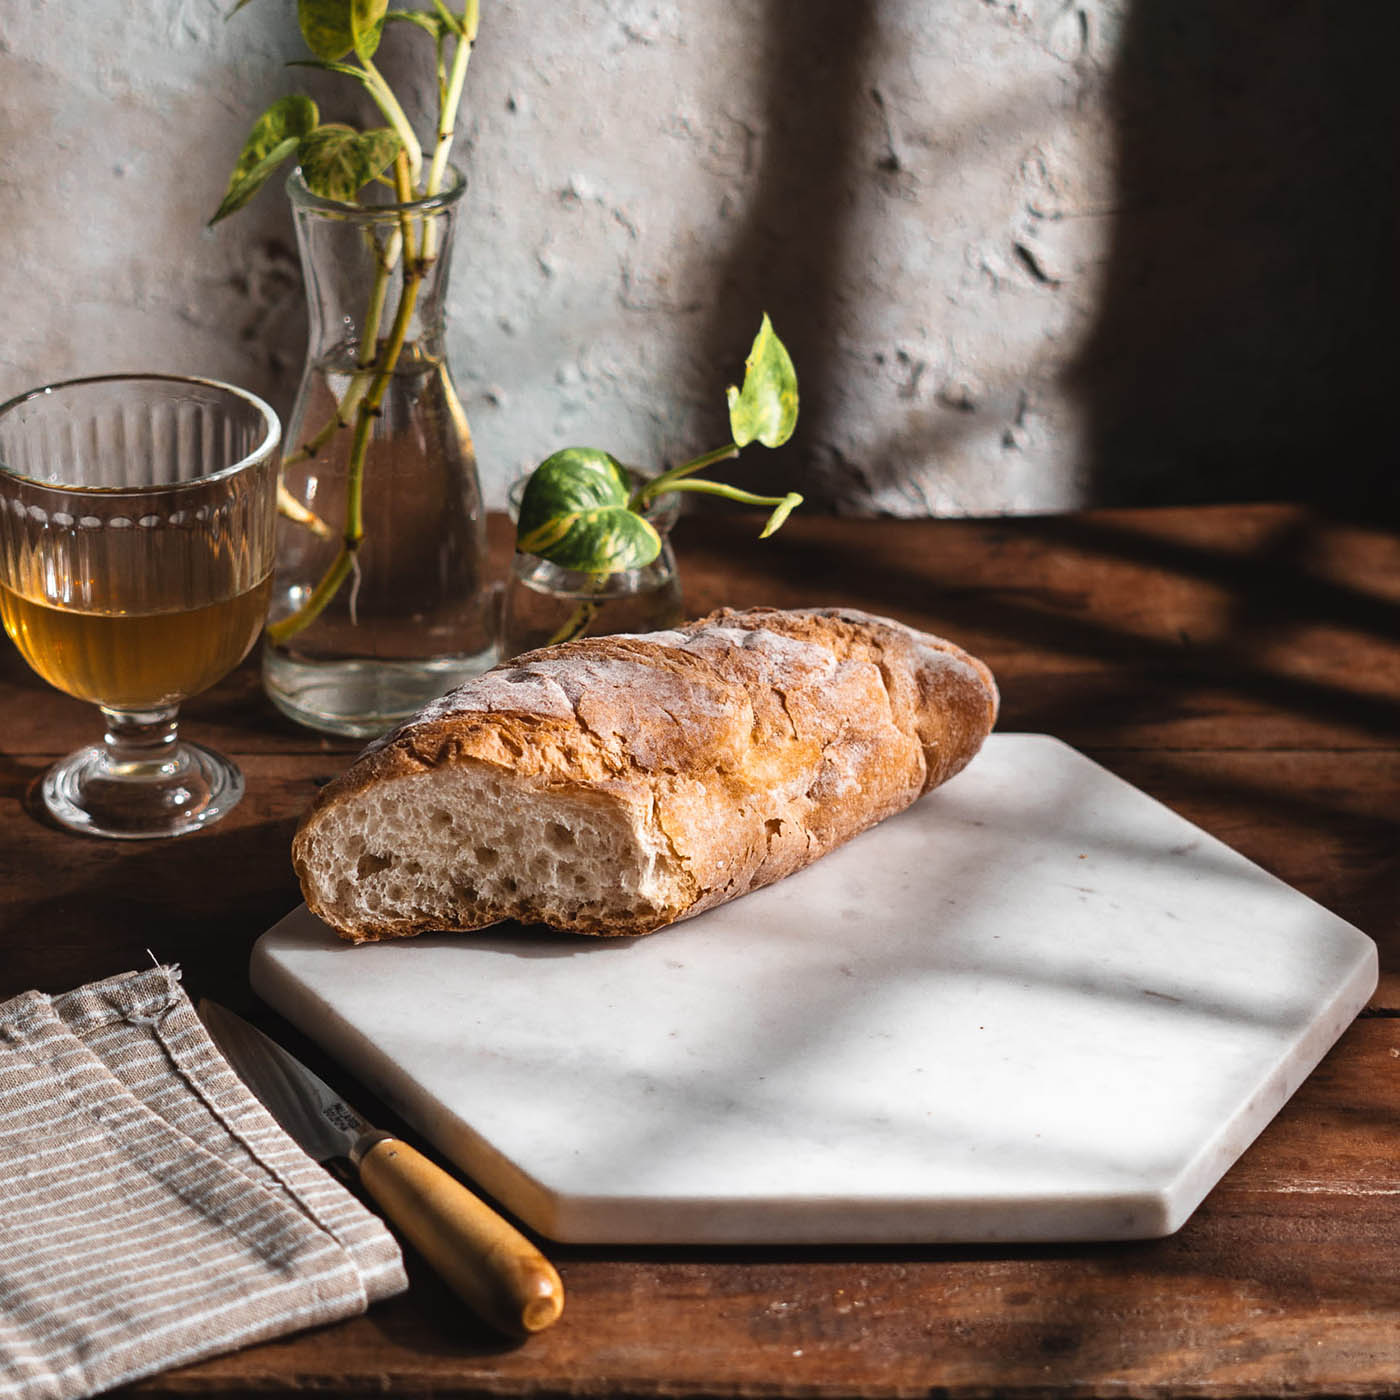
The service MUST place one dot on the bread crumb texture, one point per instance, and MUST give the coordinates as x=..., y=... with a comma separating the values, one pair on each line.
x=616, y=784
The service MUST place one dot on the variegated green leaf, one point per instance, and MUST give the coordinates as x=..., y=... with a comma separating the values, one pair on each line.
x=786, y=506
x=367, y=25
x=337, y=161
x=275, y=136
x=765, y=409
x=602, y=541
x=327, y=26
x=574, y=478
x=574, y=513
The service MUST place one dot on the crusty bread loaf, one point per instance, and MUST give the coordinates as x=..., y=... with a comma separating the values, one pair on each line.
x=616, y=784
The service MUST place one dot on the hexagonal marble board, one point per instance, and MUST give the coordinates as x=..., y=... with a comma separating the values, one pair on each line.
x=1038, y=1005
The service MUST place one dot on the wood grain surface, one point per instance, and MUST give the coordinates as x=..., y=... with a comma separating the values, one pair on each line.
x=1241, y=665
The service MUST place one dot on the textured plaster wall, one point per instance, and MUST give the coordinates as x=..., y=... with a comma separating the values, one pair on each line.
x=914, y=192
x=1026, y=253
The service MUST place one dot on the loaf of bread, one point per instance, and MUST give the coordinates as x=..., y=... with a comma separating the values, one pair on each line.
x=616, y=784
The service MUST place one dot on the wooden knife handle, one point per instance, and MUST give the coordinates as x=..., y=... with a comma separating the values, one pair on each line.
x=488, y=1263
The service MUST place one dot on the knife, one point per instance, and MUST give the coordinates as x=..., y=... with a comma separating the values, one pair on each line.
x=488, y=1263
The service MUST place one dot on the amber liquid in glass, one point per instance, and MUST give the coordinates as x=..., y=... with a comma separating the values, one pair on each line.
x=135, y=661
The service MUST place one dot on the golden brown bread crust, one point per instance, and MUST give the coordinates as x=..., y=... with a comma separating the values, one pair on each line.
x=747, y=744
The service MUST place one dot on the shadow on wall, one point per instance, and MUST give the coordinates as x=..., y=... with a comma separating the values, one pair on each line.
x=1243, y=349
x=1245, y=344
x=788, y=256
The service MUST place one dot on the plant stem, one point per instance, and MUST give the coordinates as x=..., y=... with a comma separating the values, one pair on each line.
x=385, y=261
x=384, y=266
x=361, y=401
x=576, y=624
x=354, y=392
x=449, y=100
x=285, y=628
x=452, y=97
x=387, y=103
x=730, y=493
x=292, y=509
x=658, y=485
x=403, y=192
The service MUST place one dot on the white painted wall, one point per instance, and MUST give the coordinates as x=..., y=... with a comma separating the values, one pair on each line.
x=925, y=194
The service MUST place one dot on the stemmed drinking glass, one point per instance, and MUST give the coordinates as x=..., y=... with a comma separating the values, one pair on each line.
x=136, y=549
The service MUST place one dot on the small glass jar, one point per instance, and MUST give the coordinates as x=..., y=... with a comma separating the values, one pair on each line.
x=545, y=605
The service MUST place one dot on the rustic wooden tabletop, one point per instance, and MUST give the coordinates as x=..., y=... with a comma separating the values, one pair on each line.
x=1240, y=664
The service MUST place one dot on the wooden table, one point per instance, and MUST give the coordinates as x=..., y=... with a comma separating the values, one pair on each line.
x=1240, y=664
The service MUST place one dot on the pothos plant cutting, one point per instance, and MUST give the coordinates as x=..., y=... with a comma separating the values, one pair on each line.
x=339, y=163
x=582, y=510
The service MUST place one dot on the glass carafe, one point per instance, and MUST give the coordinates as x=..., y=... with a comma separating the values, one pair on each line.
x=382, y=532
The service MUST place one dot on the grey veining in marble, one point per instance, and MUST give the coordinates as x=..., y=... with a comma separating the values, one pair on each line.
x=1036, y=1006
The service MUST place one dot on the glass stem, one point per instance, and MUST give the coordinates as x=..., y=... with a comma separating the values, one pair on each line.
x=141, y=743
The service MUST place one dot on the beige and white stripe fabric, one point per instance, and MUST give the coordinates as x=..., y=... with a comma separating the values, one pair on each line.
x=151, y=1211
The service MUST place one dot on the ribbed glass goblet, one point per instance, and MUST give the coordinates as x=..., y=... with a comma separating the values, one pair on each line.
x=136, y=545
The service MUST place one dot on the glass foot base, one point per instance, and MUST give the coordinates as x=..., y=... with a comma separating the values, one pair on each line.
x=190, y=788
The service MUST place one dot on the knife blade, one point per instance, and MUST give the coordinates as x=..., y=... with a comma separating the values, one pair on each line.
x=489, y=1264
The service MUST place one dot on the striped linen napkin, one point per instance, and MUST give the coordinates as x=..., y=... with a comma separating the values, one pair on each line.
x=151, y=1211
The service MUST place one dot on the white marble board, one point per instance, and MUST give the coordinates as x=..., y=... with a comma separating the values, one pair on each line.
x=1036, y=1006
